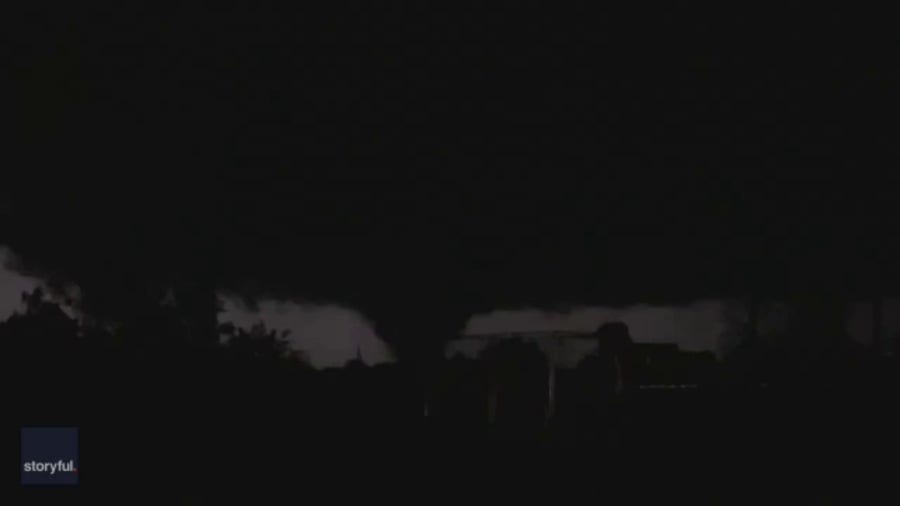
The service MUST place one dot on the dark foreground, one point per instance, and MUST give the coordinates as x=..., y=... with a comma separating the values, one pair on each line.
x=161, y=430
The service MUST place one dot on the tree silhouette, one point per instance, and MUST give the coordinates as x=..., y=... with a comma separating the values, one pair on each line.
x=260, y=343
x=43, y=326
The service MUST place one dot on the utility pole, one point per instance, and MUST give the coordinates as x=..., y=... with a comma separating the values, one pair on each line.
x=878, y=345
x=551, y=379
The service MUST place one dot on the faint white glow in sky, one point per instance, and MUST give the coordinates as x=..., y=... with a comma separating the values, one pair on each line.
x=693, y=327
x=12, y=285
x=330, y=334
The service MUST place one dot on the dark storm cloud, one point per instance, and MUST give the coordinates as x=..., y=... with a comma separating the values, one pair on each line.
x=422, y=172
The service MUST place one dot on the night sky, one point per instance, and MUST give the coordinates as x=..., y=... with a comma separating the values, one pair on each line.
x=461, y=162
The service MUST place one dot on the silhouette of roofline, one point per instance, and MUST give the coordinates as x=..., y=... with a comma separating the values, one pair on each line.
x=546, y=334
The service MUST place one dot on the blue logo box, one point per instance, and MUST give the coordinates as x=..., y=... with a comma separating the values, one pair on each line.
x=49, y=456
